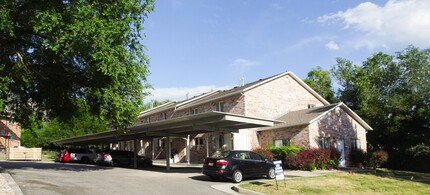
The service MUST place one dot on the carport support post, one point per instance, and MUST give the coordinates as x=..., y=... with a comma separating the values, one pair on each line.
x=188, y=149
x=135, y=153
x=207, y=145
x=168, y=153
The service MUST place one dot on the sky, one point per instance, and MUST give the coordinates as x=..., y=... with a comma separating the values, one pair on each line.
x=196, y=46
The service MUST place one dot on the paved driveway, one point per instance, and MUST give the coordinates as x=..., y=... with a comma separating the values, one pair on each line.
x=57, y=178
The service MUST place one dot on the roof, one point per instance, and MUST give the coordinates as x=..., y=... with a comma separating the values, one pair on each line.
x=308, y=116
x=218, y=94
x=176, y=127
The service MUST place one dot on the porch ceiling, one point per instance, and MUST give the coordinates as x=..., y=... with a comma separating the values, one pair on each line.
x=176, y=127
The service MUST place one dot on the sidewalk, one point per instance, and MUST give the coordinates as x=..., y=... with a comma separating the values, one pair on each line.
x=8, y=185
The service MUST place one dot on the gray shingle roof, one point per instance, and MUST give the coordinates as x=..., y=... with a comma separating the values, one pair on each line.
x=307, y=116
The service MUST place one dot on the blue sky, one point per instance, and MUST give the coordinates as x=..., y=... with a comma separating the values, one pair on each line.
x=198, y=45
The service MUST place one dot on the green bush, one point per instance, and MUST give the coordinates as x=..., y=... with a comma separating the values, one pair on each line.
x=280, y=152
x=377, y=158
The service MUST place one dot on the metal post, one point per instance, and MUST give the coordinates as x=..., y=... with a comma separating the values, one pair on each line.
x=135, y=153
x=168, y=153
x=153, y=148
x=207, y=145
x=188, y=150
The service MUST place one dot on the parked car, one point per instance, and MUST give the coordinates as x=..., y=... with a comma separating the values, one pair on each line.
x=122, y=158
x=64, y=156
x=236, y=165
x=83, y=155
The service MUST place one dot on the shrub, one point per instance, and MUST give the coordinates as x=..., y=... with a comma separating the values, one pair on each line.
x=377, y=158
x=357, y=158
x=311, y=159
x=266, y=153
x=280, y=152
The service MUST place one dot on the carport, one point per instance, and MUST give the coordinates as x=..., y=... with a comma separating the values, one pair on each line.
x=176, y=127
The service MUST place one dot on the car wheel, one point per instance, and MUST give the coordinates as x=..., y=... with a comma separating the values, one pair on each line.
x=115, y=163
x=85, y=160
x=237, y=176
x=271, y=174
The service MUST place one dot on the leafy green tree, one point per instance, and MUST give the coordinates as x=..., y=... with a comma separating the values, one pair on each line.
x=392, y=93
x=54, y=53
x=43, y=133
x=320, y=80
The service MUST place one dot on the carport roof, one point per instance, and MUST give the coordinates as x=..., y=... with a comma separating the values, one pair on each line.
x=177, y=127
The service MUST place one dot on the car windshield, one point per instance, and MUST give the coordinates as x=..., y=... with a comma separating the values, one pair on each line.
x=220, y=154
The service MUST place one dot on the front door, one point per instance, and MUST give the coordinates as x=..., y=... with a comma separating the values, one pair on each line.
x=341, y=149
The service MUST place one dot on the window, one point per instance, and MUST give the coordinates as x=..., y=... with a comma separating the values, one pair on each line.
x=198, y=142
x=162, y=143
x=242, y=155
x=255, y=156
x=218, y=141
x=194, y=111
x=324, y=142
x=163, y=116
x=219, y=107
x=147, y=120
x=311, y=105
x=281, y=142
x=355, y=144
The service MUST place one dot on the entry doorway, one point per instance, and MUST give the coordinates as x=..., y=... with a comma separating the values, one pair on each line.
x=340, y=145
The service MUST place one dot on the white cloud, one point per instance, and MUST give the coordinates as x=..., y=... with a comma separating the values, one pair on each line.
x=180, y=93
x=243, y=63
x=332, y=45
x=396, y=22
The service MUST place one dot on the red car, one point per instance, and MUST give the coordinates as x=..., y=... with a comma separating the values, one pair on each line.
x=64, y=156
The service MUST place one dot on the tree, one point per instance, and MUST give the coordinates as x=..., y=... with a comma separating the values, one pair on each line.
x=44, y=133
x=55, y=53
x=320, y=80
x=392, y=93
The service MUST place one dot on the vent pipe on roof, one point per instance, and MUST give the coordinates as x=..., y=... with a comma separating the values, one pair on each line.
x=241, y=82
x=186, y=95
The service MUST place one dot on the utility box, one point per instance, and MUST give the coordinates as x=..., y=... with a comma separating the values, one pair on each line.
x=31, y=154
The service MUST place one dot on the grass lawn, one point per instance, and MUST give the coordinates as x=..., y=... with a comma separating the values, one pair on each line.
x=49, y=155
x=343, y=183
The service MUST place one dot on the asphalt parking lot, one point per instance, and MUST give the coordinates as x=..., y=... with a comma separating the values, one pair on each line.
x=57, y=178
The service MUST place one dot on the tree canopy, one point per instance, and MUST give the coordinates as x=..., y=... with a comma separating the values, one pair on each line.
x=320, y=80
x=55, y=53
x=392, y=93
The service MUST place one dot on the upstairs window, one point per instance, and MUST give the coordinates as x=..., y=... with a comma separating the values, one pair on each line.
x=219, y=107
x=311, y=106
x=163, y=116
x=194, y=111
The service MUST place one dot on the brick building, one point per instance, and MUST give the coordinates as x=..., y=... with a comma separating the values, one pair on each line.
x=10, y=133
x=309, y=121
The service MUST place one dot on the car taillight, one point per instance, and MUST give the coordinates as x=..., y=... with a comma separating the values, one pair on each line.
x=105, y=155
x=221, y=162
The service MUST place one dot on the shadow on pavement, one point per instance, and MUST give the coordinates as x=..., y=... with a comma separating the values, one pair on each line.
x=10, y=165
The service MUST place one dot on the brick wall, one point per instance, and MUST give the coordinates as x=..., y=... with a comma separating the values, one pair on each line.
x=13, y=129
x=274, y=99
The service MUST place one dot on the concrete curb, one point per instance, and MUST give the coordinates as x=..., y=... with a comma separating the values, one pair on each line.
x=245, y=191
x=11, y=182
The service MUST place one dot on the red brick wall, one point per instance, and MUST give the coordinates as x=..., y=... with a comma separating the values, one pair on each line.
x=13, y=129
